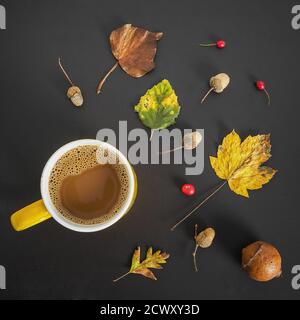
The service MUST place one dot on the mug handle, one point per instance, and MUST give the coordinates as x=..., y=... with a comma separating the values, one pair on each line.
x=29, y=216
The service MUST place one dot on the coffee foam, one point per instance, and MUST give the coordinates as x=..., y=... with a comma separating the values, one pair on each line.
x=74, y=162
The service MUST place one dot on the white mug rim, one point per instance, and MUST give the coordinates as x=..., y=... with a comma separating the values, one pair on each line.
x=44, y=185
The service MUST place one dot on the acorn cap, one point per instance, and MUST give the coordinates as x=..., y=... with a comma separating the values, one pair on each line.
x=219, y=82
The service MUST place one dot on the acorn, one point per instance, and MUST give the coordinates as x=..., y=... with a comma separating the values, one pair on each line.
x=74, y=92
x=204, y=240
x=75, y=95
x=262, y=261
x=218, y=84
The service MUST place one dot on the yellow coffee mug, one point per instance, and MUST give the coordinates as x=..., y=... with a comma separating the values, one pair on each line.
x=44, y=209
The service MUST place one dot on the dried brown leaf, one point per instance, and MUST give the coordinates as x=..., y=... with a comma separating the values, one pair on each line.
x=135, y=49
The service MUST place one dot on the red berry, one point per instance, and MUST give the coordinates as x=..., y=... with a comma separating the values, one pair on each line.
x=220, y=44
x=260, y=85
x=188, y=189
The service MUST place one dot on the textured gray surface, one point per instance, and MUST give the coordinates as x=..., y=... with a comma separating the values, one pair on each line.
x=49, y=261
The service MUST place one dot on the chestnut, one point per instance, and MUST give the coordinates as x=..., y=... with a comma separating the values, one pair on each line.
x=261, y=261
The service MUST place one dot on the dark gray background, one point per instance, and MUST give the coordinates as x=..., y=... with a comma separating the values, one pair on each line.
x=49, y=261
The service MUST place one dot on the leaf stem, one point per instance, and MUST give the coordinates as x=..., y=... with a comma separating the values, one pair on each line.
x=199, y=205
x=196, y=232
x=194, y=258
x=169, y=151
x=65, y=72
x=101, y=83
x=152, y=132
x=208, y=92
x=268, y=96
x=207, y=44
x=124, y=275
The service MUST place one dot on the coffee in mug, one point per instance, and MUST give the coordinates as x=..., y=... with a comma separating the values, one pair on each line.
x=85, y=191
x=86, y=186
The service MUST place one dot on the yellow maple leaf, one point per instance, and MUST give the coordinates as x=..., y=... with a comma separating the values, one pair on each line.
x=240, y=163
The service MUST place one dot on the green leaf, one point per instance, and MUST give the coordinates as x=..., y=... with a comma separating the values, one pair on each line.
x=159, y=107
x=135, y=262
